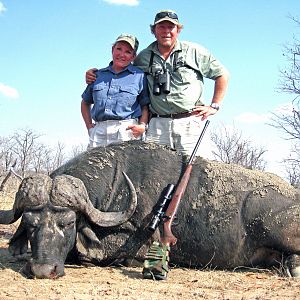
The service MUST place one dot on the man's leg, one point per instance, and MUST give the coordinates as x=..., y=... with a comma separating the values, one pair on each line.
x=186, y=132
x=159, y=132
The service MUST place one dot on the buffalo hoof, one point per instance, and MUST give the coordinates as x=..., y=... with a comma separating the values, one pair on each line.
x=292, y=266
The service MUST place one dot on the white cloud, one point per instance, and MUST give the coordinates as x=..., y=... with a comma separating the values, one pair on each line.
x=249, y=117
x=8, y=91
x=123, y=2
x=286, y=109
x=2, y=8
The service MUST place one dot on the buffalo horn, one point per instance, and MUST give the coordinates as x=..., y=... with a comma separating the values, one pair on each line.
x=34, y=190
x=71, y=192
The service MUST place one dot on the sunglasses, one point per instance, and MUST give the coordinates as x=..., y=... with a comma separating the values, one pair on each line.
x=164, y=14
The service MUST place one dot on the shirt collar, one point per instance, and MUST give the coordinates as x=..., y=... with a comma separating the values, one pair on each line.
x=153, y=47
x=130, y=68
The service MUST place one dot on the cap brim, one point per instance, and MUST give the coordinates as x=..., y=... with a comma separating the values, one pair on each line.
x=127, y=40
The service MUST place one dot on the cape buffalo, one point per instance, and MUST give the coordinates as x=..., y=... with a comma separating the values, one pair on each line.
x=91, y=212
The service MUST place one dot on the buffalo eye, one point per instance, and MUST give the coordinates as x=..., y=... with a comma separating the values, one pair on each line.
x=32, y=221
x=66, y=223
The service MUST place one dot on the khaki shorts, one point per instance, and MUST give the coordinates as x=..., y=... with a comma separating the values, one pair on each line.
x=111, y=132
x=179, y=134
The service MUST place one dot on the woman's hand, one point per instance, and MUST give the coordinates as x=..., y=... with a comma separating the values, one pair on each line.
x=137, y=129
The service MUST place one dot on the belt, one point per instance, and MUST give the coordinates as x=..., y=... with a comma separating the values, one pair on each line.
x=174, y=116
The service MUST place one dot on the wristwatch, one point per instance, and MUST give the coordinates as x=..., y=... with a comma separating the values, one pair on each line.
x=215, y=106
x=146, y=125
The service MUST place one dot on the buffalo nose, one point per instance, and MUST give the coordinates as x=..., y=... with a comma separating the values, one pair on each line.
x=46, y=271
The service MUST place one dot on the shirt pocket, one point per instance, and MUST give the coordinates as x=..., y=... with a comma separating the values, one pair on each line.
x=100, y=91
x=187, y=74
x=129, y=94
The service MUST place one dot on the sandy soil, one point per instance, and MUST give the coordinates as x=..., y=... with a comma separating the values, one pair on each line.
x=127, y=283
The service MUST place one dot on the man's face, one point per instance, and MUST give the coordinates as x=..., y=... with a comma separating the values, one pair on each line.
x=122, y=55
x=166, y=34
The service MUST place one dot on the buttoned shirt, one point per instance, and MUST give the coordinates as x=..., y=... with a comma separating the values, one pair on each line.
x=117, y=96
x=188, y=65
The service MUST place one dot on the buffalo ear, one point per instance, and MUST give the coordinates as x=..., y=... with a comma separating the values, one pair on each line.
x=87, y=243
x=18, y=245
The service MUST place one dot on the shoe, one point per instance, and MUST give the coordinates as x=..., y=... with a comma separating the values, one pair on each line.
x=156, y=264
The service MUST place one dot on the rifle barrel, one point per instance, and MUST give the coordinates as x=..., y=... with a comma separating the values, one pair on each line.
x=198, y=142
x=168, y=237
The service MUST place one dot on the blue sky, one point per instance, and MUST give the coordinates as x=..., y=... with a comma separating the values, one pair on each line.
x=46, y=47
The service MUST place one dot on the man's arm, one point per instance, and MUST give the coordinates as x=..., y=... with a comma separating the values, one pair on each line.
x=90, y=75
x=221, y=84
x=220, y=88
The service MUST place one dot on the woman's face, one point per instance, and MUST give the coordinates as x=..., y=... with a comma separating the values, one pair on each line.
x=122, y=55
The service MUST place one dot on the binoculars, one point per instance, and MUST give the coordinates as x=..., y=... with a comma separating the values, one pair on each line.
x=161, y=82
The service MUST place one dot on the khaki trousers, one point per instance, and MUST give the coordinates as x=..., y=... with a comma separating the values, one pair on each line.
x=179, y=134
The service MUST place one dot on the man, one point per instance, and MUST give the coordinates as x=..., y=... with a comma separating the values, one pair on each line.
x=115, y=106
x=175, y=73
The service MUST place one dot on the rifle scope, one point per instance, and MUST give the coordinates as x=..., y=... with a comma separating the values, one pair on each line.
x=162, y=205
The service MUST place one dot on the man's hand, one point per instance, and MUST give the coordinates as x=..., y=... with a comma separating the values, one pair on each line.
x=90, y=75
x=137, y=129
x=204, y=111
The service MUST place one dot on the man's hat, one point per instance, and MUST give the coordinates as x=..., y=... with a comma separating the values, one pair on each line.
x=166, y=15
x=130, y=39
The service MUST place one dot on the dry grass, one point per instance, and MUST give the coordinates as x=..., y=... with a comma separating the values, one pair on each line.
x=127, y=283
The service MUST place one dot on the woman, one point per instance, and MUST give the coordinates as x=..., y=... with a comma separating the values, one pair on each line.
x=115, y=107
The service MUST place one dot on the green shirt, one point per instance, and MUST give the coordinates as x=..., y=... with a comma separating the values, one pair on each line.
x=187, y=68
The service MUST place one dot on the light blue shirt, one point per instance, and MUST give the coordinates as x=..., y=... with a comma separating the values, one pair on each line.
x=117, y=96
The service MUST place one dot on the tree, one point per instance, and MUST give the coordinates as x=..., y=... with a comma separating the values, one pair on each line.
x=24, y=148
x=47, y=159
x=292, y=165
x=25, y=151
x=42, y=158
x=76, y=150
x=31, y=155
x=58, y=157
x=231, y=147
x=290, y=77
x=288, y=121
x=7, y=157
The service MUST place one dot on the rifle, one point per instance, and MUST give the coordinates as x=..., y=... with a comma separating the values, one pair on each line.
x=162, y=203
x=169, y=204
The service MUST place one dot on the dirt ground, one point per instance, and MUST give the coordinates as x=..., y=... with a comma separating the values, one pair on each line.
x=127, y=283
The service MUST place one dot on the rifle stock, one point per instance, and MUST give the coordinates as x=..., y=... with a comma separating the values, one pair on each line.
x=168, y=237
